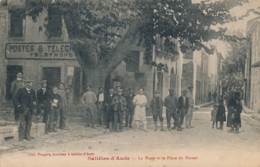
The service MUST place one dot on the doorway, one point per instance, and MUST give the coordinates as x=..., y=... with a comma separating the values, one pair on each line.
x=52, y=75
x=12, y=71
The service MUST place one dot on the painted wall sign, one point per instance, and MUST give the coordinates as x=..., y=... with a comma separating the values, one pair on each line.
x=39, y=51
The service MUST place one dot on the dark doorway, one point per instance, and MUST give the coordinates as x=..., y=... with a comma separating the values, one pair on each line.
x=77, y=85
x=52, y=75
x=12, y=71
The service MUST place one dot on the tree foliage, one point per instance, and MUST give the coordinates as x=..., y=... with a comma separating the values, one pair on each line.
x=234, y=65
x=103, y=31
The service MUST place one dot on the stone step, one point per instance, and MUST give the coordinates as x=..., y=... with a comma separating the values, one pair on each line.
x=11, y=131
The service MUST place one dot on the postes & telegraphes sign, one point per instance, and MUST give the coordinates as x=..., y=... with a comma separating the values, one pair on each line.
x=39, y=51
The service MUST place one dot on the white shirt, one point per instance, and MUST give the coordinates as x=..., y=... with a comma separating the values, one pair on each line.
x=101, y=97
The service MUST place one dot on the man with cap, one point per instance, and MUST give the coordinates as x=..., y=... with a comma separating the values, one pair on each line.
x=170, y=102
x=89, y=100
x=157, y=109
x=189, y=114
x=130, y=108
x=119, y=105
x=43, y=99
x=25, y=101
x=101, y=108
x=64, y=106
x=183, y=106
x=17, y=84
x=109, y=112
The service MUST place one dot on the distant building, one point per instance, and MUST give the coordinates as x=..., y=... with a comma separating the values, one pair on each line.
x=206, y=75
x=252, y=69
x=164, y=73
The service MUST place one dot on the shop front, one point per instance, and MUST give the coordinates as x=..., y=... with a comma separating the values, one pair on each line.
x=54, y=62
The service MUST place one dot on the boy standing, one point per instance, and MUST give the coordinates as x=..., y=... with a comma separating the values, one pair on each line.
x=119, y=104
x=156, y=107
x=54, y=113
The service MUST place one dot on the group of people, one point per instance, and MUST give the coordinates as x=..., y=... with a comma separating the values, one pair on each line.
x=110, y=109
x=52, y=104
x=233, y=117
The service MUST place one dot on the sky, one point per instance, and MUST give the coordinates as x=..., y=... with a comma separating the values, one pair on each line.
x=238, y=26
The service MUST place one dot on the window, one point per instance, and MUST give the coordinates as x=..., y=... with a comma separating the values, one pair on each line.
x=54, y=22
x=16, y=23
x=132, y=61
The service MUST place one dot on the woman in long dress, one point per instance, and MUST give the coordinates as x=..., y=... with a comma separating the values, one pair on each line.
x=140, y=102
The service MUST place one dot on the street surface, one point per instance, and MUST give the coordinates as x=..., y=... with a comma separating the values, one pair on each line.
x=199, y=146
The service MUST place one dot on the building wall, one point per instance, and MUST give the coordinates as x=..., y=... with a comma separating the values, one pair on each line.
x=3, y=37
x=253, y=58
x=40, y=57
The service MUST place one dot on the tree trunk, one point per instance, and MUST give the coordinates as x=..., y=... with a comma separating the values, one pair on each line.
x=97, y=73
x=96, y=77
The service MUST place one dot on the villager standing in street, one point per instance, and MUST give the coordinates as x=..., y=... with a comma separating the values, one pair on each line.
x=64, y=105
x=221, y=114
x=130, y=109
x=189, y=114
x=214, y=112
x=54, y=113
x=89, y=100
x=109, y=116
x=157, y=109
x=119, y=105
x=230, y=107
x=17, y=84
x=170, y=102
x=140, y=102
x=183, y=106
x=43, y=101
x=101, y=107
x=25, y=101
x=236, y=118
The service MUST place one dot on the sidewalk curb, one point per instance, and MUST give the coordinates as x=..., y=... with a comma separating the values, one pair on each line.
x=197, y=107
x=253, y=114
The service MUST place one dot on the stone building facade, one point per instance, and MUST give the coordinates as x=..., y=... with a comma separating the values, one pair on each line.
x=27, y=47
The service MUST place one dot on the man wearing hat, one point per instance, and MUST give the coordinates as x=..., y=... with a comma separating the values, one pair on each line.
x=17, y=84
x=170, y=102
x=42, y=98
x=89, y=100
x=25, y=101
x=119, y=104
x=183, y=106
x=157, y=109
x=189, y=114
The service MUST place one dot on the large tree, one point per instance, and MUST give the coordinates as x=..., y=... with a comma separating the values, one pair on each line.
x=234, y=66
x=104, y=31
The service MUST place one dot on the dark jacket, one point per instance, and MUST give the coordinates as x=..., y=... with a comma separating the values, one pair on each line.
x=119, y=103
x=129, y=101
x=181, y=104
x=43, y=98
x=221, y=113
x=56, y=97
x=170, y=102
x=156, y=105
x=25, y=99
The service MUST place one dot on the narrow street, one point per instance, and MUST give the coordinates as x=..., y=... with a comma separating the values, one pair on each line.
x=199, y=146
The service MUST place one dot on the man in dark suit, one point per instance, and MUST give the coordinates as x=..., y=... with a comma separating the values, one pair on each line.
x=109, y=109
x=15, y=86
x=100, y=106
x=25, y=101
x=183, y=106
x=43, y=101
x=130, y=108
